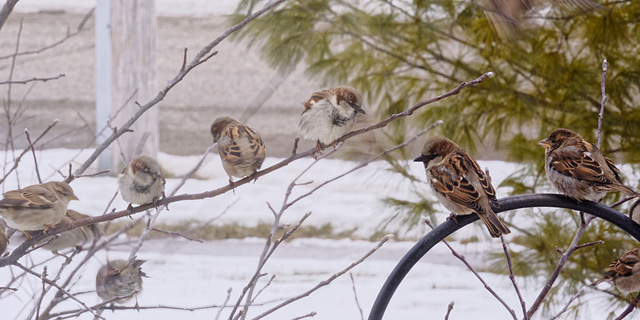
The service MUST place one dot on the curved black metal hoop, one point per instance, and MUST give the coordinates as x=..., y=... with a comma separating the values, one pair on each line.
x=510, y=203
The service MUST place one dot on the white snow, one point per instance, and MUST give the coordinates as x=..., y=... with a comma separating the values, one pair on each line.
x=190, y=274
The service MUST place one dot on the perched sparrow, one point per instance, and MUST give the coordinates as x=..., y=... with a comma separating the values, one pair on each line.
x=141, y=182
x=578, y=169
x=4, y=240
x=459, y=183
x=508, y=16
x=120, y=279
x=36, y=207
x=241, y=149
x=625, y=272
x=330, y=114
x=74, y=237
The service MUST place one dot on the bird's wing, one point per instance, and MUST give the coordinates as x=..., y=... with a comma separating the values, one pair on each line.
x=449, y=180
x=29, y=197
x=578, y=163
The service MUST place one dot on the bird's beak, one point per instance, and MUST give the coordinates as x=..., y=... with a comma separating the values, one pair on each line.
x=544, y=143
x=421, y=158
x=360, y=110
x=73, y=197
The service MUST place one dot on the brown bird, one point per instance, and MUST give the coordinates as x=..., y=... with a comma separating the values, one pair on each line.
x=241, y=149
x=624, y=273
x=36, y=207
x=120, y=280
x=578, y=169
x=141, y=182
x=330, y=114
x=459, y=183
x=509, y=16
x=74, y=237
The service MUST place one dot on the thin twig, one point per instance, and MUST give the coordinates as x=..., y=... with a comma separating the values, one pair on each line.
x=566, y=307
x=32, y=80
x=308, y=315
x=627, y=311
x=449, y=309
x=33, y=151
x=603, y=101
x=224, y=304
x=556, y=272
x=326, y=281
x=6, y=11
x=355, y=295
x=513, y=278
x=17, y=160
x=466, y=263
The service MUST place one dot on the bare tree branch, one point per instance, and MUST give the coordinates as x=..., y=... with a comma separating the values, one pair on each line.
x=32, y=80
x=6, y=11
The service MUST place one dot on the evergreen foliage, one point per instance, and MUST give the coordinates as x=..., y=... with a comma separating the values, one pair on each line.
x=548, y=75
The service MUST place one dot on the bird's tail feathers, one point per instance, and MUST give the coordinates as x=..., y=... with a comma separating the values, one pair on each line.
x=494, y=225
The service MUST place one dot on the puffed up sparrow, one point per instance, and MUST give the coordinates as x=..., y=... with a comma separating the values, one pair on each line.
x=241, y=149
x=36, y=207
x=74, y=237
x=578, y=169
x=459, y=183
x=624, y=272
x=141, y=182
x=120, y=280
x=330, y=114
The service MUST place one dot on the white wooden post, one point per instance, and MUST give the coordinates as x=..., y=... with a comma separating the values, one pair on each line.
x=103, y=80
x=133, y=41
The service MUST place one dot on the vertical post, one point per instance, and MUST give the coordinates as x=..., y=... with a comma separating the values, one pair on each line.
x=103, y=80
x=133, y=41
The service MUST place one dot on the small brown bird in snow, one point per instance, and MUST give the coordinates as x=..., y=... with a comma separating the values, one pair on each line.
x=141, y=182
x=241, y=149
x=459, y=183
x=578, y=169
x=74, y=237
x=624, y=272
x=36, y=207
x=330, y=114
x=4, y=240
x=120, y=279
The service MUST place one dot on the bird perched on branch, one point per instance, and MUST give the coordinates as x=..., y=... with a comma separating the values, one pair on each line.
x=578, y=169
x=330, y=114
x=241, y=149
x=36, y=207
x=119, y=280
x=141, y=182
x=509, y=16
x=624, y=272
x=74, y=237
x=459, y=183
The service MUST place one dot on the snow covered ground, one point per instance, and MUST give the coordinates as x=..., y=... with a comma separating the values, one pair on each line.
x=188, y=274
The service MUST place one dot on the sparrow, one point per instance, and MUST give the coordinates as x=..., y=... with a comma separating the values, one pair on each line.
x=141, y=182
x=241, y=149
x=36, y=207
x=578, y=169
x=624, y=272
x=459, y=183
x=508, y=16
x=120, y=280
x=4, y=239
x=330, y=114
x=74, y=237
